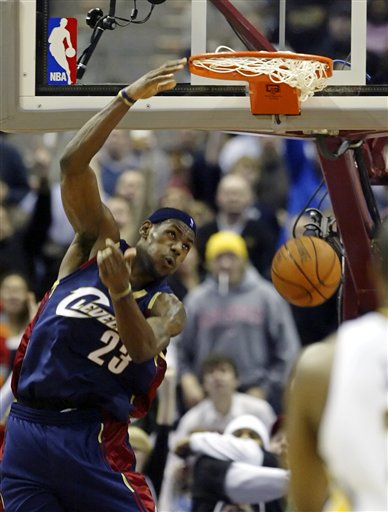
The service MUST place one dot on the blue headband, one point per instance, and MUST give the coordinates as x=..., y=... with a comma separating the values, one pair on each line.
x=173, y=213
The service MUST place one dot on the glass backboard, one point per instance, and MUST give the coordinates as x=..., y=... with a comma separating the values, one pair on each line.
x=116, y=41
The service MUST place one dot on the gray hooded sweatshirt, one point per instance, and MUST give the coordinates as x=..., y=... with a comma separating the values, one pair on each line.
x=251, y=323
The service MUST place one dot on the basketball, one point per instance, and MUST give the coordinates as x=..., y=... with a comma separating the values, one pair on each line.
x=70, y=52
x=306, y=271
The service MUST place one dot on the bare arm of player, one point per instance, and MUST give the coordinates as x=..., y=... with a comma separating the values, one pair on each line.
x=306, y=398
x=168, y=317
x=143, y=338
x=91, y=221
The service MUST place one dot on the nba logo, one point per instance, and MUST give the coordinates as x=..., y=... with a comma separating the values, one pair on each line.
x=62, y=51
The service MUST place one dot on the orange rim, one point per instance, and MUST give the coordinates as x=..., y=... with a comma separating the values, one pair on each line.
x=263, y=54
x=266, y=95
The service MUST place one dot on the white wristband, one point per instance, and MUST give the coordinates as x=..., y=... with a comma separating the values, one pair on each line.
x=121, y=295
x=127, y=100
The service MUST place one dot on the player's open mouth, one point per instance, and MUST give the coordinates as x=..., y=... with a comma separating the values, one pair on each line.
x=169, y=261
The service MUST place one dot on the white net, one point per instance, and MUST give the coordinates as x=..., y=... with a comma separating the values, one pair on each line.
x=308, y=76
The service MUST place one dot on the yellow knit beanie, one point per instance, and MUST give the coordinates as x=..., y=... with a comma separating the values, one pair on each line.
x=224, y=242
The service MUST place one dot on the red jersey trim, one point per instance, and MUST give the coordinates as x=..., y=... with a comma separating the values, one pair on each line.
x=121, y=458
x=142, y=403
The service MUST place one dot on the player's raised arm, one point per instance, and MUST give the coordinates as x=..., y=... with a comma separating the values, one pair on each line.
x=80, y=195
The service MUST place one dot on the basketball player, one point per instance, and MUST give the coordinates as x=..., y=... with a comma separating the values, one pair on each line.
x=337, y=418
x=93, y=355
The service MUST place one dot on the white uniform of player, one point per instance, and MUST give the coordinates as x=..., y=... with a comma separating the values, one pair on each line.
x=353, y=438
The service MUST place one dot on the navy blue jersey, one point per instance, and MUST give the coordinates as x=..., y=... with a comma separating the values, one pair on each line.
x=72, y=350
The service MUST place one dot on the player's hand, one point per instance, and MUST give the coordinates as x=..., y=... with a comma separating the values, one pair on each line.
x=157, y=80
x=114, y=268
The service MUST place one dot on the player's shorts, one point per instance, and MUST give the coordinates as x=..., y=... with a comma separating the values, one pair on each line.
x=74, y=461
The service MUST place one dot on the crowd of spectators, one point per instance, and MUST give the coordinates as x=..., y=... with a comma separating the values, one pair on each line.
x=241, y=337
x=234, y=356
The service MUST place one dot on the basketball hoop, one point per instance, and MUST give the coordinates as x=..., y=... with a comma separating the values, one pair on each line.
x=278, y=81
